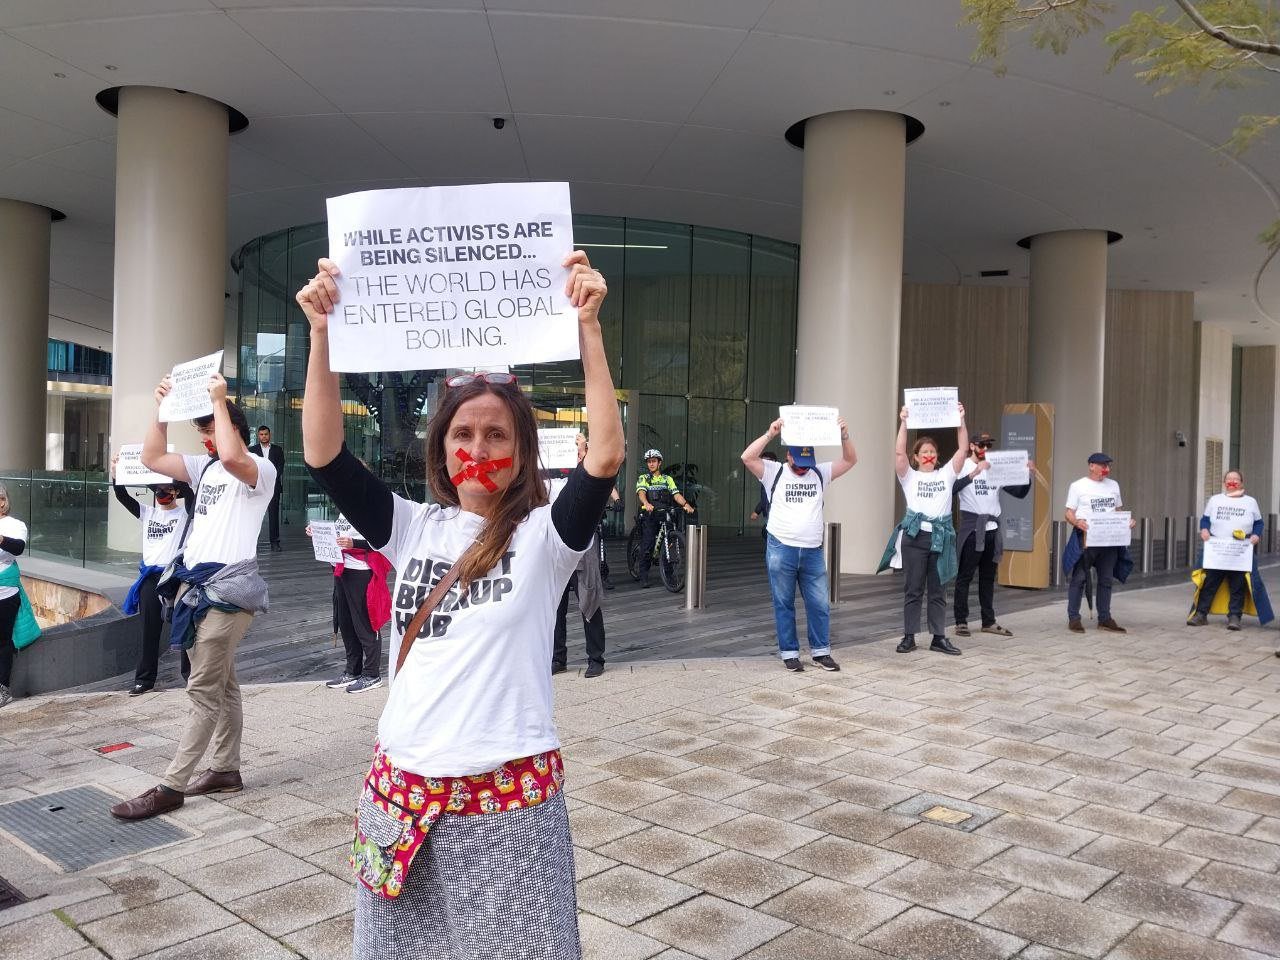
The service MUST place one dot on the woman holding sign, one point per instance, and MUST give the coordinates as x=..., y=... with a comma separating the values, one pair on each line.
x=18, y=627
x=1232, y=516
x=925, y=535
x=467, y=728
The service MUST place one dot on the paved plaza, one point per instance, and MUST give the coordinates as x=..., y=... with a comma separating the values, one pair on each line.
x=1120, y=799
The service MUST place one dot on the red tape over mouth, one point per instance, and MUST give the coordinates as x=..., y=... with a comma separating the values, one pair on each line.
x=478, y=470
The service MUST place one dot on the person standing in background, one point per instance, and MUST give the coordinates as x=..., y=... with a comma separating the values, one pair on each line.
x=274, y=453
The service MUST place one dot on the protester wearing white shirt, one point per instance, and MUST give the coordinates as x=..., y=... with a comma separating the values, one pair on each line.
x=1229, y=515
x=1093, y=494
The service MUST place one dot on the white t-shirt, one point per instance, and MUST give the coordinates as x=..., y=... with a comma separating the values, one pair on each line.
x=929, y=494
x=345, y=529
x=476, y=688
x=795, y=506
x=228, y=513
x=1228, y=514
x=1087, y=497
x=980, y=497
x=161, y=533
x=15, y=529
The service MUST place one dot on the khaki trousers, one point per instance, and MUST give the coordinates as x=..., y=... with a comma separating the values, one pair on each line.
x=215, y=714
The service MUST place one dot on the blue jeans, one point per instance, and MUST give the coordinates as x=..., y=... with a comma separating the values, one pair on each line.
x=803, y=565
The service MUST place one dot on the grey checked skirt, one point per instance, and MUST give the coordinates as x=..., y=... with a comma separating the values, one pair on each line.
x=498, y=886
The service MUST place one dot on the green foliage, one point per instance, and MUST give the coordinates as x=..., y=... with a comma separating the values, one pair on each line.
x=1053, y=24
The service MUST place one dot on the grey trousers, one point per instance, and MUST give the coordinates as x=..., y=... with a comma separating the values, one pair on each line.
x=496, y=886
x=920, y=569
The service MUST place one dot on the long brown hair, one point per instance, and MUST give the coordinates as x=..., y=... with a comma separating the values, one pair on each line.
x=526, y=490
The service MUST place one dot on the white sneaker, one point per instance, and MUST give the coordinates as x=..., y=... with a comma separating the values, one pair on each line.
x=365, y=683
x=346, y=680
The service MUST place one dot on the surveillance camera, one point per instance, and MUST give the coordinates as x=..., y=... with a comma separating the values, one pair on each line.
x=499, y=122
x=1180, y=437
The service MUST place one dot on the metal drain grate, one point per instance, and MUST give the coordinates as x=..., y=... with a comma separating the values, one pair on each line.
x=74, y=828
x=9, y=897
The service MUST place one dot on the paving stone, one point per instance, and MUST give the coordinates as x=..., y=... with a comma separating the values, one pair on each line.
x=1254, y=928
x=602, y=940
x=928, y=841
x=1143, y=827
x=1016, y=772
x=311, y=835
x=1150, y=942
x=920, y=934
x=1267, y=804
x=647, y=765
x=740, y=877
x=837, y=909
x=1096, y=768
x=745, y=735
x=1266, y=828
x=713, y=929
x=1019, y=751
x=592, y=826
x=952, y=758
x=240, y=941
x=845, y=860
x=659, y=850
x=949, y=783
x=621, y=793
x=130, y=889
x=1063, y=924
x=957, y=892
x=772, y=797
x=794, y=773
x=229, y=879
x=587, y=863
x=44, y=937
x=1221, y=846
x=866, y=793
x=330, y=940
x=1027, y=802
x=157, y=925
x=1038, y=834
x=1123, y=796
x=673, y=742
x=1154, y=863
x=1180, y=786
x=295, y=905
x=855, y=822
x=763, y=836
x=1046, y=872
x=800, y=944
x=1162, y=904
x=726, y=756
x=710, y=783
x=1211, y=816
x=806, y=749
x=687, y=814
x=625, y=895
x=1238, y=883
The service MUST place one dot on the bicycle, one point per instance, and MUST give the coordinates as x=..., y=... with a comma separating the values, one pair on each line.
x=668, y=549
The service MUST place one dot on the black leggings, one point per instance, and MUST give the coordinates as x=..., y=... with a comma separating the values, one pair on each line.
x=8, y=617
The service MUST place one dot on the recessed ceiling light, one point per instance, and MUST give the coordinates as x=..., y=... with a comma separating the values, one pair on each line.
x=109, y=66
x=944, y=103
x=890, y=93
x=61, y=76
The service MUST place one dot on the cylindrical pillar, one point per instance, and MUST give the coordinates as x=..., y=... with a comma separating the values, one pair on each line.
x=1068, y=313
x=170, y=249
x=850, y=303
x=24, y=329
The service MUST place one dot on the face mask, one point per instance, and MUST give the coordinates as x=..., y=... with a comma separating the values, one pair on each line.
x=928, y=459
x=474, y=469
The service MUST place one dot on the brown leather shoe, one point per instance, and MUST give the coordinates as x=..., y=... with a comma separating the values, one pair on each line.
x=154, y=802
x=1111, y=626
x=1075, y=626
x=211, y=781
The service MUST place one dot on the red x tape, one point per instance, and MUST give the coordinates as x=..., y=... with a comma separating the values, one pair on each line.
x=478, y=470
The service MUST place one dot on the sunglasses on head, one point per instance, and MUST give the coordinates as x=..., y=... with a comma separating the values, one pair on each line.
x=500, y=379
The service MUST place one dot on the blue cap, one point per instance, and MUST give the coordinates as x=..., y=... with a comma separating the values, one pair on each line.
x=1099, y=458
x=802, y=456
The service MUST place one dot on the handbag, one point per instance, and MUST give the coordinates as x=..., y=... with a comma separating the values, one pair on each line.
x=429, y=605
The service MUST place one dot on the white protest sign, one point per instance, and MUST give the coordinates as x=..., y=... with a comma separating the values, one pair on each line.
x=437, y=277
x=558, y=448
x=806, y=426
x=931, y=407
x=188, y=396
x=1223, y=554
x=1008, y=468
x=1109, y=529
x=324, y=541
x=131, y=473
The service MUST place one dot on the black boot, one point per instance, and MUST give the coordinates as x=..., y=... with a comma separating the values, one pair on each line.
x=943, y=645
x=907, y=643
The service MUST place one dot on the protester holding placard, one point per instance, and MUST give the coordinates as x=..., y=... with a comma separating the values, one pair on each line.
x=163, y=527
x=1230, y=515
x=361, y=606
x=656, y=491
x=18, y=627
x=215, y=590
x=981, y=542
x=468, y=725
x=1093, y=494
x=924, y=541
x=796, y=492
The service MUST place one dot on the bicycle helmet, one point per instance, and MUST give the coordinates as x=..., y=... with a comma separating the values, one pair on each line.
x=653, y=452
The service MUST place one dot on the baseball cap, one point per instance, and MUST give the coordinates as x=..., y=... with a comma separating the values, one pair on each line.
x=1099, y=458
x=802, y=456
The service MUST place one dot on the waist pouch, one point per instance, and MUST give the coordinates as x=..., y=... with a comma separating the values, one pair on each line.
x=397, y=809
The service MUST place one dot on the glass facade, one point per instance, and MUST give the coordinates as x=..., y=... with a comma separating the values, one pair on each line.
x=700, y=328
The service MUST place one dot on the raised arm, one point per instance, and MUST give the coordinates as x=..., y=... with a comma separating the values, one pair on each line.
x=962, y=442
x=901, y=463
x=751, y=458
x=232, y=451
x=848, y=457
x=155, y=445
x=586, y=290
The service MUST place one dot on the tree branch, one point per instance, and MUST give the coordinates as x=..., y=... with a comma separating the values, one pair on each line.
x=1218, y=33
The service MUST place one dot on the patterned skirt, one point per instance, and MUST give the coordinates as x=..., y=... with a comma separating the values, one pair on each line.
x=498, y=886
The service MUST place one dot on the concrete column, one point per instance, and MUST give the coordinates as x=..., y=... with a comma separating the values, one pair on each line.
x=1259, y=419
x=850, y=303
x=55, y=432
x=24, y=332
x=1068, y=323
x=170, y=247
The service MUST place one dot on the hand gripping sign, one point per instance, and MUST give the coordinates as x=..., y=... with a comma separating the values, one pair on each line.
x=437, y=277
